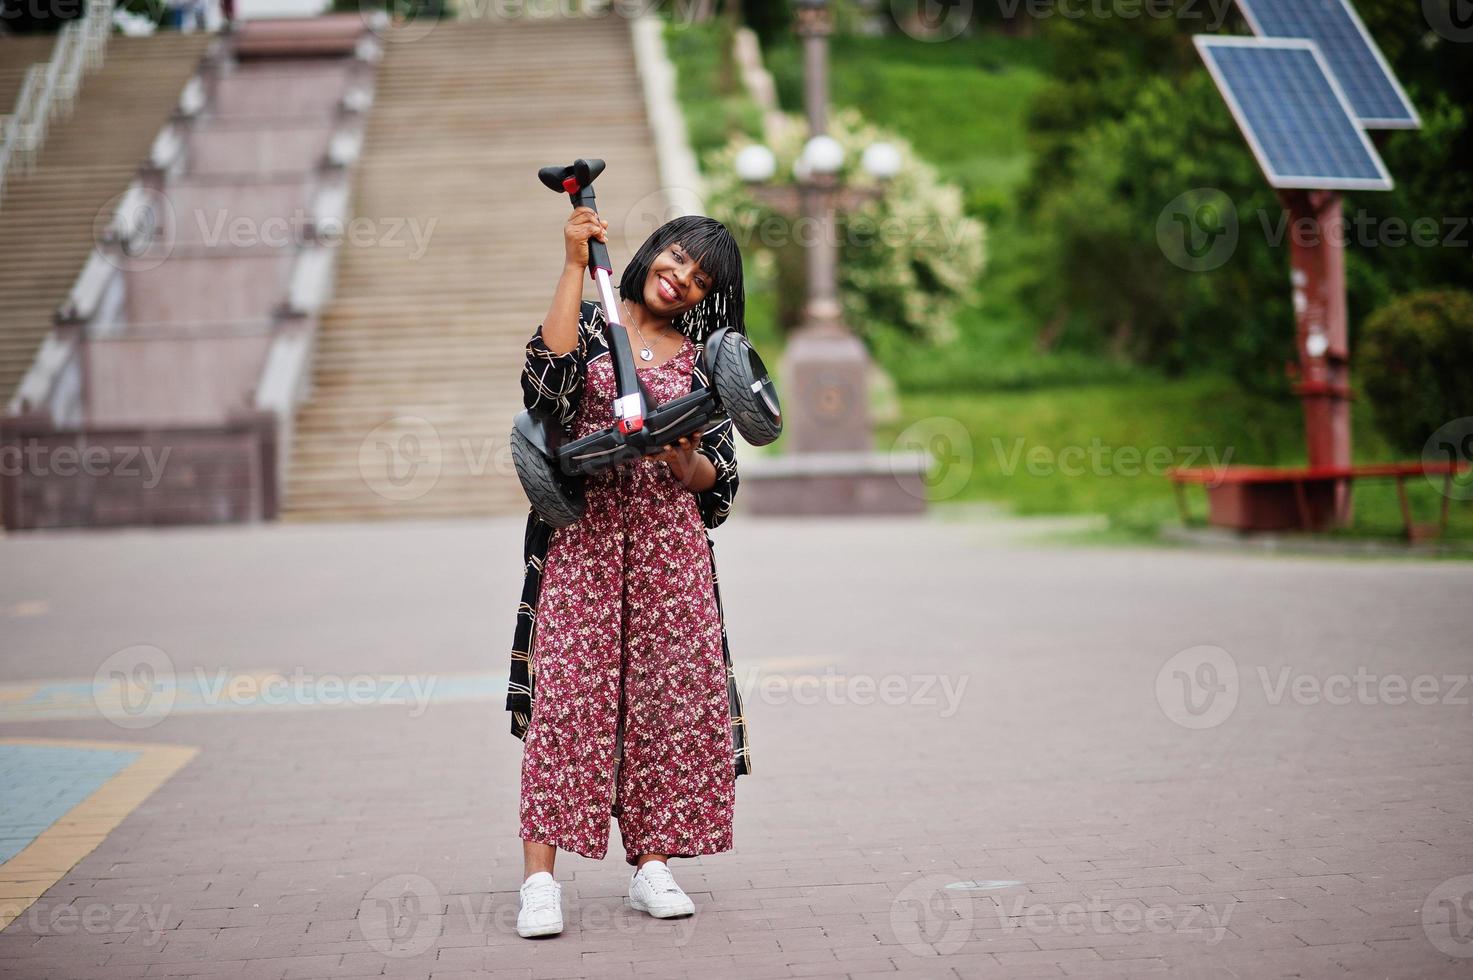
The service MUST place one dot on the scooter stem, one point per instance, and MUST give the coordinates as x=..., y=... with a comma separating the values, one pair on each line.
x=576, y=180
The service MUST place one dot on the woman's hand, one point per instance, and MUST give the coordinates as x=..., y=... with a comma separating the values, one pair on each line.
x=685, y=463
x=583, y=224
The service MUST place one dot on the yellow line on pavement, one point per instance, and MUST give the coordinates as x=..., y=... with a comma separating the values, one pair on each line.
x=56, y=850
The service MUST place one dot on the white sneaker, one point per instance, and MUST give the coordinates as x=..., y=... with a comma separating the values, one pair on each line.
x=542, y=906
x=653, y=889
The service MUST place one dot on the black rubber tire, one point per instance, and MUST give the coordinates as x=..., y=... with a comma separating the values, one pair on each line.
x=557, y=498
x=731, y=372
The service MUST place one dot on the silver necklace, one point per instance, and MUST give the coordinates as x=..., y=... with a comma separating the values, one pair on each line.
x=644, y=352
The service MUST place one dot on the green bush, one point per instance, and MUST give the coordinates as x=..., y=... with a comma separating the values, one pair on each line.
x=1414, y=362
x=908, y=261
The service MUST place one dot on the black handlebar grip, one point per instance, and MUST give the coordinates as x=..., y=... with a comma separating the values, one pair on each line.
x=576, y=180
x=572, y=178
x=598, y=257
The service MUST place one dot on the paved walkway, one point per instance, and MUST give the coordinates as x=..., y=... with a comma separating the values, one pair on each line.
x=971, y=758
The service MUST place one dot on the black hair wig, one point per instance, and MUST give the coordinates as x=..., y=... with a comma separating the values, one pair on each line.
x=709, y=243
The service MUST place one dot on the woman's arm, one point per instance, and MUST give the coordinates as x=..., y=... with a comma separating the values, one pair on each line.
x=552, y=376
x=560, y=326
x=717, y=450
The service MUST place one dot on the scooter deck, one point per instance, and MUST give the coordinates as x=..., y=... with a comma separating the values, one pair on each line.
x=664, y=424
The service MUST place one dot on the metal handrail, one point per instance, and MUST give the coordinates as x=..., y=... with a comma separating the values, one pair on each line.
x=50, y=87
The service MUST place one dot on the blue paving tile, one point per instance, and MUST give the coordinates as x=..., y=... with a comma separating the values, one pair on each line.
x=40, y=783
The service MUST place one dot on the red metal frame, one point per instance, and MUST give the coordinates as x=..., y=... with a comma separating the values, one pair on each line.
x=1306, y=498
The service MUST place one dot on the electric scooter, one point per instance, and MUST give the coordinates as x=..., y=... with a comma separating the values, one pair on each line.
x=552, y=466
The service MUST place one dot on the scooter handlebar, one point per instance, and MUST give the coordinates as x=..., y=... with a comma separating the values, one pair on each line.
x=576, y=180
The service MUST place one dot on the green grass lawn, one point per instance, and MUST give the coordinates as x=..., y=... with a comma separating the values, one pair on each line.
x=1103, y=448
x=960, y=103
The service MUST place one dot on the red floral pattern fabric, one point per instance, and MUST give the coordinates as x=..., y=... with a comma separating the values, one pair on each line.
x=628, y=655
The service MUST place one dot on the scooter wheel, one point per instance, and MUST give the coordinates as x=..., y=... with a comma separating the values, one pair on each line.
x=746, y=392
x=557, y=498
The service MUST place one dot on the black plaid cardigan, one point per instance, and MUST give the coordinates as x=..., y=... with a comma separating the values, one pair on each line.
x=552, y=386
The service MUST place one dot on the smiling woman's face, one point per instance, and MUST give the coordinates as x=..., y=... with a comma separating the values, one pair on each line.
x=676, y=283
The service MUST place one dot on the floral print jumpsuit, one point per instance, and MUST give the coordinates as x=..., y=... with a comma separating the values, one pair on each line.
x=634, y=711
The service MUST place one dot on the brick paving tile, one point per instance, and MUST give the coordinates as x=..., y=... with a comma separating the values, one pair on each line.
x=1094, y=836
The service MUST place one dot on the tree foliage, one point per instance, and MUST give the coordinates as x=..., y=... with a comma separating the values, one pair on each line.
x=1130, y=126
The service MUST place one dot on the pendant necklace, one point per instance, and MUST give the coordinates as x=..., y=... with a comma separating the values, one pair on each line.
x=644, y=352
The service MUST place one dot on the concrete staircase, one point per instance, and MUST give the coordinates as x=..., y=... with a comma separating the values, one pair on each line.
x=416, y=375
x=47, y=218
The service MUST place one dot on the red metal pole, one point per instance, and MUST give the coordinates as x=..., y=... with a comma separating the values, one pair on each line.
x=1317, y=261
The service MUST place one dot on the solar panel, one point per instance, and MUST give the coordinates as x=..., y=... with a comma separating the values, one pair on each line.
x=1293, y=113
x=1376, y=97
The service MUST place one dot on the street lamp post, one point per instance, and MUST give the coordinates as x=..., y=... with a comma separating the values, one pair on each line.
x=831, y=466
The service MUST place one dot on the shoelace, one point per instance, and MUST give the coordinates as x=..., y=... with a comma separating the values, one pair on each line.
x=660, y=878
x=541, y=896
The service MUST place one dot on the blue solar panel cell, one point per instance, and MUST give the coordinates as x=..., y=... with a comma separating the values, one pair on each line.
x=1296, y=119
x=1376, y=97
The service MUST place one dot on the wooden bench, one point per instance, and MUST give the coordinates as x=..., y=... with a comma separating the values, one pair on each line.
x=1268, y=498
